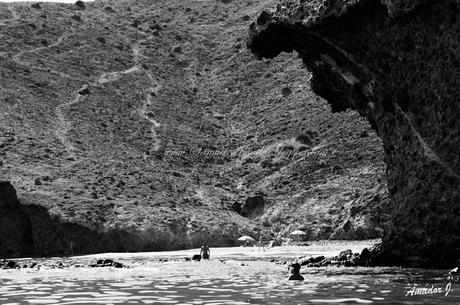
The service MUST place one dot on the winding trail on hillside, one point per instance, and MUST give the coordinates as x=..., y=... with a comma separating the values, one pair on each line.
x=14, y=13
x=14, y=16
x=17, y=57
x=65, y=125
x=38, y=49
x=152, y=91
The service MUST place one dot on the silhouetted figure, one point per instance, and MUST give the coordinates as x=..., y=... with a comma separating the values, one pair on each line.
x=261, y=243
x=71, y=245
x=205, y=252
x=295, y=273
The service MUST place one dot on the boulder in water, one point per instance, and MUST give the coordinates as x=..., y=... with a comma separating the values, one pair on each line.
x=107, y=263
x=345, y=255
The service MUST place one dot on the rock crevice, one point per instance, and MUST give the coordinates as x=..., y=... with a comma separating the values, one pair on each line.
x=397, y=64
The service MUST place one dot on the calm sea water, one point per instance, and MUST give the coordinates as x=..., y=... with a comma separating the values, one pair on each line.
x=229, y=282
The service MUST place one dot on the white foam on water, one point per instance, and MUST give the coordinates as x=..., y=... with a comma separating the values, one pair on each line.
x=345, y=300
x=17, y=293
x=43, y=301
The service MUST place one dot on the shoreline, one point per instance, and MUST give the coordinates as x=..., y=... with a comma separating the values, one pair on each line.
x=327, y=248
x=315, y=248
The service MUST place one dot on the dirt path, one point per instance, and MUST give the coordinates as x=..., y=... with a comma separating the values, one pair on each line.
x=15, y=16
x=64, y=125
x=17, y=58
x=38, y=49
x=152, y=91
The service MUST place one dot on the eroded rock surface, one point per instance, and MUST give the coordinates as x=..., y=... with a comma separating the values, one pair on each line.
x=398, y=64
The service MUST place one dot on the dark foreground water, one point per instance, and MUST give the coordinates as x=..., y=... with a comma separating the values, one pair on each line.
x=229, y=282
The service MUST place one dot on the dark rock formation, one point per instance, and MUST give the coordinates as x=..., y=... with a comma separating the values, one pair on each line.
x=107, y=263
x=253, y=206
x=36, y=6
x=346, y=258
x=15, y=229
x=398, y=64
x=8, y=198
x=80, y=4
x=9, y=264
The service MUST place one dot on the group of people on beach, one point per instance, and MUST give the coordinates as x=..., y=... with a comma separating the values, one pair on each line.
x=205, y=253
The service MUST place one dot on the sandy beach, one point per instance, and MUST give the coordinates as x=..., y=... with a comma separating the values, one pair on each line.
x=315, y=248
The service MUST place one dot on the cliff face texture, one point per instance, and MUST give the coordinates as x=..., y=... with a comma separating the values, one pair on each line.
x=398, y=64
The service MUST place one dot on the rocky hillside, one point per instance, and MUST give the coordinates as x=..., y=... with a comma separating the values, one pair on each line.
x=152, y=120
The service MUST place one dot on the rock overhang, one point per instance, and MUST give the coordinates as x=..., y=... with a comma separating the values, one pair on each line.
x=382, y=58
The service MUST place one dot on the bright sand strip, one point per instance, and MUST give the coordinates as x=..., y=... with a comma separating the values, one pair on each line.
x=316, y=248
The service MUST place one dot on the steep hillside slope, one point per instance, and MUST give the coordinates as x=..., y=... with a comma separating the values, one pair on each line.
x=153, y=119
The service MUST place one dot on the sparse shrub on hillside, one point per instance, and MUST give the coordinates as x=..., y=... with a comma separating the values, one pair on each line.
x=364, y=134
x=155, y=26
x=76, y=18
x=177, y=49
x=336, y=168
x=80, y=4
x=286, y=91
x=84, y=91
x=136, y=23
x=109, y=9
x=307, y=137
x=266, y=163
x=304, y=139
x=39, y=83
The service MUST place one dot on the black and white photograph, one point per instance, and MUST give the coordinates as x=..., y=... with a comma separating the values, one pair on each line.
x=229, y=152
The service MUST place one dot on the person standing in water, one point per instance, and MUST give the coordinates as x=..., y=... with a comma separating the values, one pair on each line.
x=295, y=273
x=205, y=252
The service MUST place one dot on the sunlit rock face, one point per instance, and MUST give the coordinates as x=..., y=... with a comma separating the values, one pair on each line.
x=398, y=64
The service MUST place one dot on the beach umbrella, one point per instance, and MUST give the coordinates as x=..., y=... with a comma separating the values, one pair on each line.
x=246, y=239
x=298, y=233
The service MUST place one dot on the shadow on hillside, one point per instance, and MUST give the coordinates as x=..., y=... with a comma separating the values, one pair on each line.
x=29, y=230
